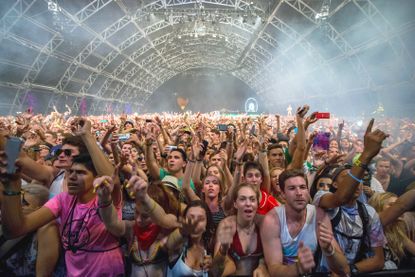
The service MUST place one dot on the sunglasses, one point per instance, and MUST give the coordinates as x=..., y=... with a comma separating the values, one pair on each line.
x=24, y=201
x=67, y=152
x=140, y=159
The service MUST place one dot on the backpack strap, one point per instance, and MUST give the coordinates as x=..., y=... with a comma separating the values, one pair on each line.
x=365, y=243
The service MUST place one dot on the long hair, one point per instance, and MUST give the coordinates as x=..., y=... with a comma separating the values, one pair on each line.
x=209, y=233
x=395, y=232
x=165, y=198
x=222, y=185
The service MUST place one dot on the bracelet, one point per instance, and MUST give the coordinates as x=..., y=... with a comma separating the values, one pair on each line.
x=11, y=193
x=105, y=204
x=354, y=177
x=332, y=252
x=263, y=150
x=361, y=165
x=191, y=161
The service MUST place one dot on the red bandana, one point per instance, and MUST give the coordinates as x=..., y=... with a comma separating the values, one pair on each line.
x=147, y=235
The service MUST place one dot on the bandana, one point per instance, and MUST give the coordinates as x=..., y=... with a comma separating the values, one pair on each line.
x=146, y=235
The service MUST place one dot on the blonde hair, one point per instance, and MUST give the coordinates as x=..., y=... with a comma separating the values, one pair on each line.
x=395, y=233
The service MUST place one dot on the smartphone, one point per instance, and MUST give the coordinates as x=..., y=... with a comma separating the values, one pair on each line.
x=12, y=149
x=322, y=141
x=252, y=131
x=222, y=127
x=171, y=147
x=322, y=115
x=124, y=137
x=204, y=147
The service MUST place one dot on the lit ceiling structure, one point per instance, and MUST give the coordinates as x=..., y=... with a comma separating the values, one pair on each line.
x=118, y=52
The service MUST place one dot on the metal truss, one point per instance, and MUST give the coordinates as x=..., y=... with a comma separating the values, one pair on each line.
x=235, y=4
x=385, y=29
x=260, y=34
x=13, y=15
x=163, y=39
x=78, y=61
x=36, y=67
x=43, y=88
x=298, y=39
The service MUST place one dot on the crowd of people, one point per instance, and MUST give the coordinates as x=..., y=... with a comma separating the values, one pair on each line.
x=205, y=195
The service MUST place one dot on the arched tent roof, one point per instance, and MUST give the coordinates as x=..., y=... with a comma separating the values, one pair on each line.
x=120, y=51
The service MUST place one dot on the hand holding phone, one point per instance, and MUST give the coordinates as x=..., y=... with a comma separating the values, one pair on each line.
x=320, y=115
x=12, y=149
x=222, y=127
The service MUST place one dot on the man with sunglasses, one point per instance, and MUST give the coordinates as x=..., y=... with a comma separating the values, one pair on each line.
x=54, y=177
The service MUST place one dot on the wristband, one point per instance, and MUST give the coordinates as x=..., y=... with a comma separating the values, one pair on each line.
x=358, y=163
x=354, y=177
x=11, y=193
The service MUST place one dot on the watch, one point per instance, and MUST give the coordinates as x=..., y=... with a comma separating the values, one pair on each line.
x=354, y=270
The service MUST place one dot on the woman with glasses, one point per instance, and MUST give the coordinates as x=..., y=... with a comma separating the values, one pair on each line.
x=36, y=253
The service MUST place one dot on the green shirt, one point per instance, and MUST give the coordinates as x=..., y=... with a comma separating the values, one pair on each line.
x=164, y=173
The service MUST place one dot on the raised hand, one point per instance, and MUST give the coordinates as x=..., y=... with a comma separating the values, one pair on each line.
x=302, y=111
x=225, y=233
x=103, y=187
x=188, y=225
x=81, y=126
x=305, y=259
x=373, y=140
x=311, y=119
x=137, y=187
x=241, y=151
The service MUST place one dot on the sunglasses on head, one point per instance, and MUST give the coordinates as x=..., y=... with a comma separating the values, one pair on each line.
x=67, y=152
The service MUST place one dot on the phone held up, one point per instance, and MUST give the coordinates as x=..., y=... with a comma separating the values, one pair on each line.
x=12, y=149
x=324, y=115
x=222, y=127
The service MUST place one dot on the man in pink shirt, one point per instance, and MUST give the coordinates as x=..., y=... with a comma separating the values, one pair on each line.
x=90, y=250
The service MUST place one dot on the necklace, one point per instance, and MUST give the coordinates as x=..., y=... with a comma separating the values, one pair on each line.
x=247, y=230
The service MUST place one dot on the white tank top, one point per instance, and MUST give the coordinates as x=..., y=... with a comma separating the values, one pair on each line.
x=182, y=269
x=57, y=184
x=307, y=234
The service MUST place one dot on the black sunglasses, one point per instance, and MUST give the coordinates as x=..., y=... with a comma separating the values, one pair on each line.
x=67, y=152
x=140, y=158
